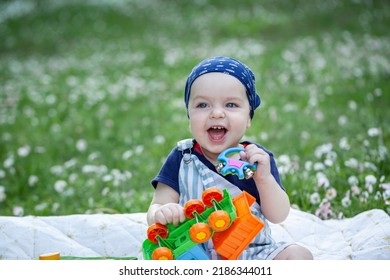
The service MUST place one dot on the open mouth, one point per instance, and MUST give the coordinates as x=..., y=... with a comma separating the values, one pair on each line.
x=216, y=133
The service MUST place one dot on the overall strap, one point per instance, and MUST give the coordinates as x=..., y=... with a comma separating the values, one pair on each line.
x=185, y=144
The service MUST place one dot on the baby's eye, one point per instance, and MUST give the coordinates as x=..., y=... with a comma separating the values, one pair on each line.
x=231, y=105
x=202, y=105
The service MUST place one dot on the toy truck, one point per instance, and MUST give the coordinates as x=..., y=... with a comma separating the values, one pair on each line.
x=228, y=222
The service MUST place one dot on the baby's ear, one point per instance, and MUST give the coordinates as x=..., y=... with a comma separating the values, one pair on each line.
x=248, y=125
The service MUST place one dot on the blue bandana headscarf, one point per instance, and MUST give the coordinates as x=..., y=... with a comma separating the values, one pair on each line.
x=228, y=66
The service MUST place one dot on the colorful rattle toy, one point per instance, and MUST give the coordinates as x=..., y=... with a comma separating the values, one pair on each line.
x=237, y=167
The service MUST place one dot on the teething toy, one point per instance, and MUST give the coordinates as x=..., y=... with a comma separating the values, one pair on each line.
x=237, y=167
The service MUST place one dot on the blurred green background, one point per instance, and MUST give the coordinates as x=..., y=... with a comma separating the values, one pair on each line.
x=91, y=98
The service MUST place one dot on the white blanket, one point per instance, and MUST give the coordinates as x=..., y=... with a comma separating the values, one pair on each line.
x=365, y=236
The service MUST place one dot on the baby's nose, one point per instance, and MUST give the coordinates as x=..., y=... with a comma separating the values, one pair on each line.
x=217, y=112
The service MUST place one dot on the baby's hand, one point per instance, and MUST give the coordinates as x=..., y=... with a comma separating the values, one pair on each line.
x=170, y=213
x=254, y=154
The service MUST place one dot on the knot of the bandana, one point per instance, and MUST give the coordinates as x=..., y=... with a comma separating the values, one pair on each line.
x=228, y=66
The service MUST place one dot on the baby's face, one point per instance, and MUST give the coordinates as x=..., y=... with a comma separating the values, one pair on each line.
x=219, y=112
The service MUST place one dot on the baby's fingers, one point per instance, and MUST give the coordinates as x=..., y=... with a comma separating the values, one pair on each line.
x=243, y=156
x=160, y=217
x=177, y=215
x=169, y=214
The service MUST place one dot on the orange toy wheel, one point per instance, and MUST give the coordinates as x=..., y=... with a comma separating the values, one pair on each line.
x=219, y=220
x=162, y=253
x=192, y=206
x=211, y=194
x=157, y=230
x=200, y=232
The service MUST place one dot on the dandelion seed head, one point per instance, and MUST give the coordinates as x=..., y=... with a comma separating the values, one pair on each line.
x=364, y=195
x=377, y=196
x=93, y=156
x=39, y=149
x=97, y=169
x=73, y=177
x=284, y=160
x=382, y=152
x=352, y=105
x=127, y=175
x=322, y=180
x=328, y=162
x=308, y=165
x=370, y=180
x=60, y=186
x=9, y=162
x=353, y=180
x=159, y=139
x=318, y=166
x=105, y=191
x=346, y=201
x=323, y=150
x=304, y=135
x=68, y=192
x=51, y=99
x=319, y=116
x=24, y=151
x=370, y=165
x=343, y=144
x=128, y=154
x=40, y=207
x=315, y=198
x=55, y=207
x=32, y=180
x=107, y=178
x=18, y=211
x=139, y=149
x=56, y=170
x=374, y=131
x=70, y=163
x=385, y=186
x=352, y=163
x=264, y=136
x=355, y=190
x=81, y=145
x=342, y=120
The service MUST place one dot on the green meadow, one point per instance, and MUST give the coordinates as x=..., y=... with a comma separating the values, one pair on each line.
x=91, y=98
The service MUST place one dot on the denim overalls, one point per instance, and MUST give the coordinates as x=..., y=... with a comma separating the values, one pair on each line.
x=195, y=177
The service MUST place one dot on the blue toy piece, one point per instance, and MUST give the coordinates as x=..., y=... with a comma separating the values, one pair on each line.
x=195, y=253
x=237, y=167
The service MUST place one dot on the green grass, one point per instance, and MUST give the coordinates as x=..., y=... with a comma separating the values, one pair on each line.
x=91, y=98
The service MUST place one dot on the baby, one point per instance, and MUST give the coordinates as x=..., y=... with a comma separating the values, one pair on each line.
x=220, y=97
